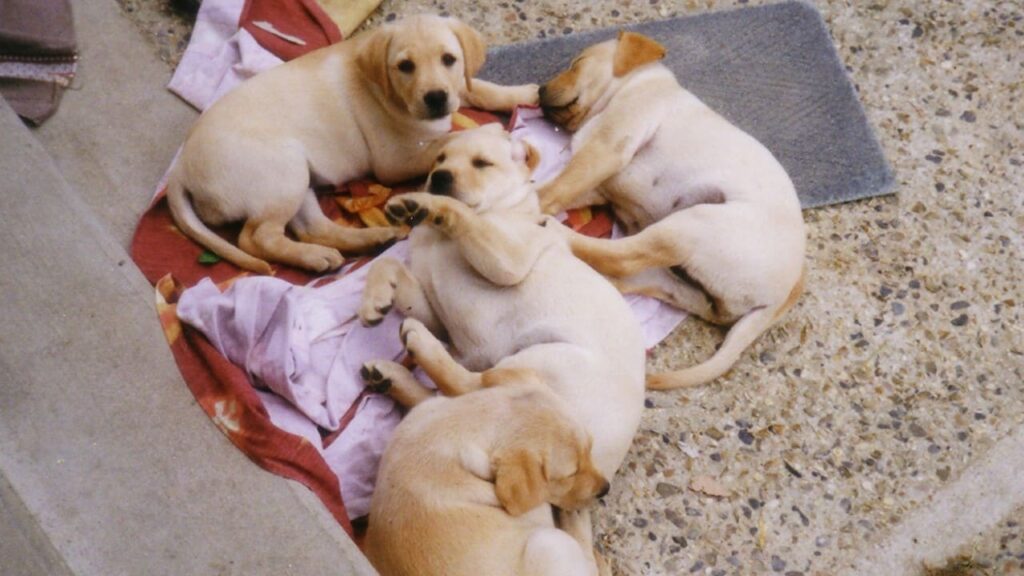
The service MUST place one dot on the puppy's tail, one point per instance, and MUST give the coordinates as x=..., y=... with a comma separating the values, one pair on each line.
x=189, y=223
x=740, y=336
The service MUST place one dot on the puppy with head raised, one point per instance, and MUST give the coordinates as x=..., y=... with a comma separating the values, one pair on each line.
x=379, y=104
x=492, y=276
x=714, y=220
x=467, y=484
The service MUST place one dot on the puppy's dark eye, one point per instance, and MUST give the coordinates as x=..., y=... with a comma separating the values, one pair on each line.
x=481, y=163
x=441, y=158
x=448, y=59
x=407, y=66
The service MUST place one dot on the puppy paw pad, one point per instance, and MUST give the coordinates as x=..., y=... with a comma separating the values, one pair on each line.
x=374, y=379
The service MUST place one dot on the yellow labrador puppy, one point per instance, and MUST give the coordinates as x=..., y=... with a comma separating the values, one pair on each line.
x=714, y=221
x=486, y=272
x=466, y=484
x=377, y=104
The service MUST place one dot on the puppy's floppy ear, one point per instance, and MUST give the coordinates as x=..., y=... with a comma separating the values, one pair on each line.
x=372, y=59
x=532, y=156
x=474, y=49
x=635, y=50
x=519, y=481
x=523, y=151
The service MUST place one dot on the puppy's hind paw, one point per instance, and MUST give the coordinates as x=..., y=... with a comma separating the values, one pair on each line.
x=375, y=380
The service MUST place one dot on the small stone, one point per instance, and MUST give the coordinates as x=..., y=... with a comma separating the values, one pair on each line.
x=677, y=520
x=959, y=320
x=778, y=564
x=822, y=541
x=917, y=430
x=918, y=31
x=664, y=489
x=959, y=305
x=898, y=308
x=697, y=566
x=968, y=116
x=746, y=437
x=943, y=473
x=714, y=433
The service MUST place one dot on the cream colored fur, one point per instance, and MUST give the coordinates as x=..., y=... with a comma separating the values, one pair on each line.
x=467, y=484
x=491, y=275
x=360, y=107
x=714, y=220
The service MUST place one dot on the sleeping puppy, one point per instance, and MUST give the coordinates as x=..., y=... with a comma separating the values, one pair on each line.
x=467, y=484
x=379, y=104
x=506, y=291
x=714, y=221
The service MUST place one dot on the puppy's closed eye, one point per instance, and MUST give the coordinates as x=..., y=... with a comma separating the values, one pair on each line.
x=482, y=163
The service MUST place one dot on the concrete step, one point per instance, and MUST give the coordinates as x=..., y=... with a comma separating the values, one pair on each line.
x=107, y=465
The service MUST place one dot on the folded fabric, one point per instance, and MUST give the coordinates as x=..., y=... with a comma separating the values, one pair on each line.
x=304, y=343
x=219, y=56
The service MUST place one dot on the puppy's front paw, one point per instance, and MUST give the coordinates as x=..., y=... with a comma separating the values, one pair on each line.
x=374, y=377
x=529, y=95
x=321, y=258
x=408, y=209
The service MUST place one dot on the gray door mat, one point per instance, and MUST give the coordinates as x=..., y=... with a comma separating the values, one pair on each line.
x=771, y=70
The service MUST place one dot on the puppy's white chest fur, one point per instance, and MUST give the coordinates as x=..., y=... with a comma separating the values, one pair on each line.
x=563, y=319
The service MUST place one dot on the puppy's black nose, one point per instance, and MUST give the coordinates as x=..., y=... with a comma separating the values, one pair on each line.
x=604, y=491
x=436, y=100
x=441, y=182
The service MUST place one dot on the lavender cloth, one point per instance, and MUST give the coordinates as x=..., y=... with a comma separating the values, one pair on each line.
x=303, y=343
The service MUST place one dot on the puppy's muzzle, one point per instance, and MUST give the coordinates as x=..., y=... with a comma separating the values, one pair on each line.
x=437, y=103
x=441, y=183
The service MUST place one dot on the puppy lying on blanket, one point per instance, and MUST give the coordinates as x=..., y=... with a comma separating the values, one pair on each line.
x=714, y=221
x=466, y=485
x=378, y=104
x=507, y=293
